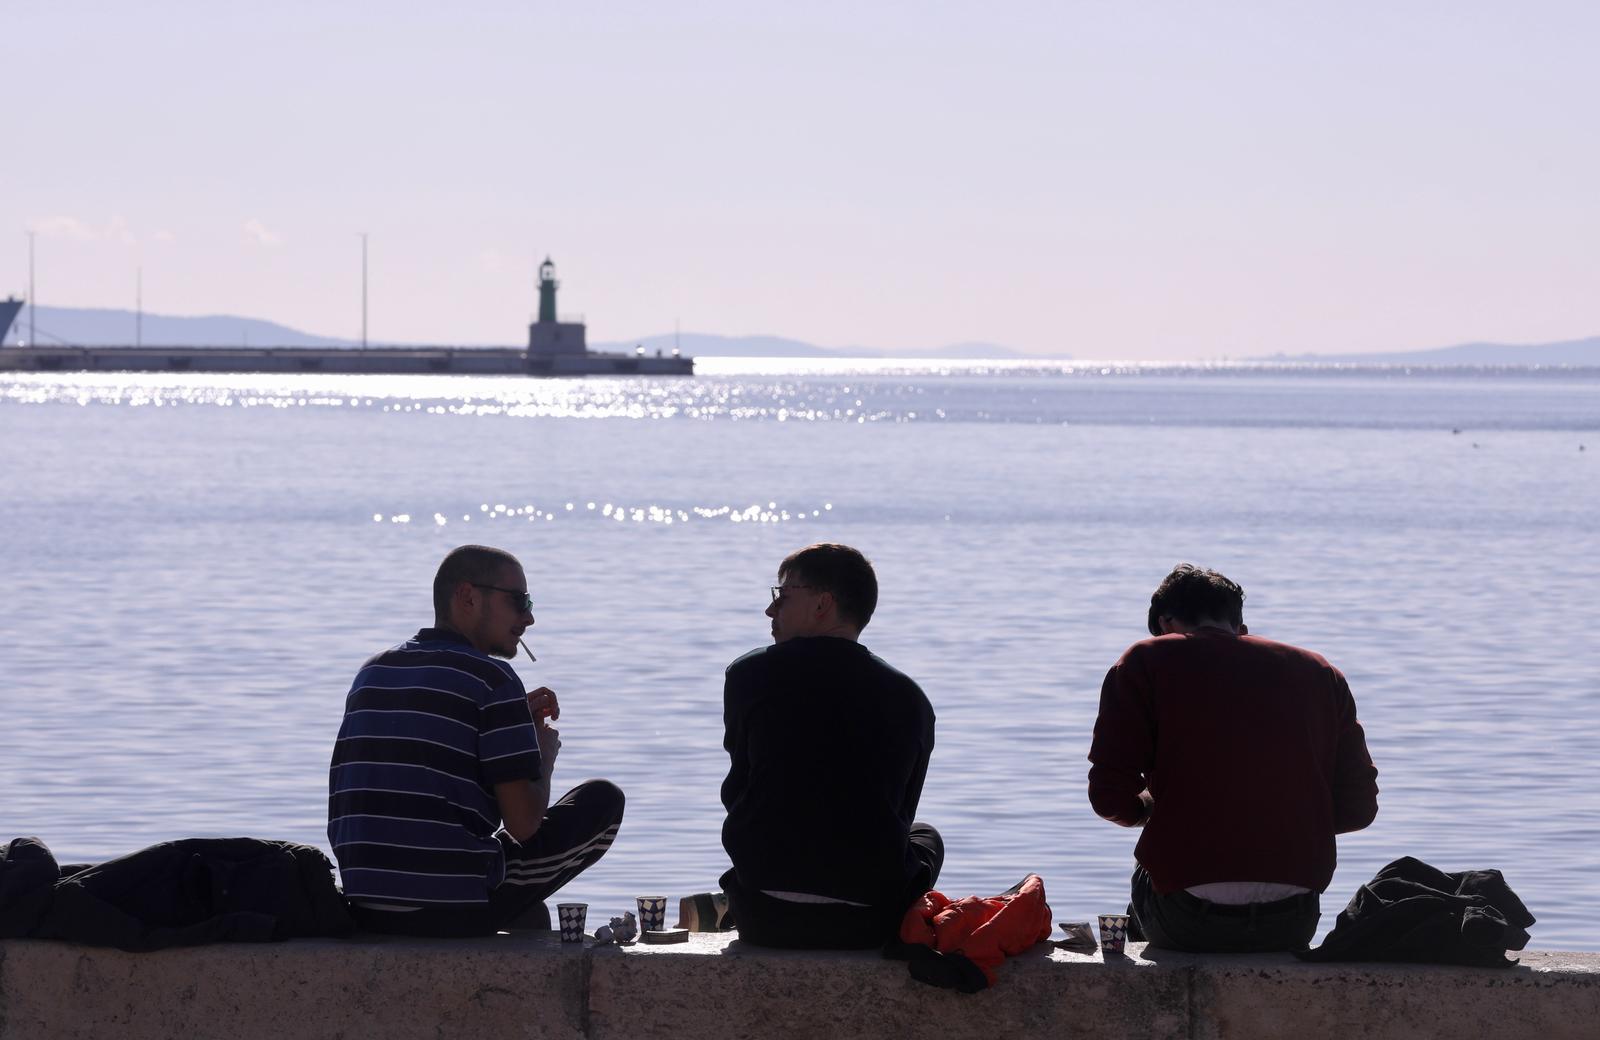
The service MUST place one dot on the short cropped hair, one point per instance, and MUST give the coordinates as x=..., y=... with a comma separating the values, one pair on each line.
x=478, y=564
x=1191, y=595
x=842, y=572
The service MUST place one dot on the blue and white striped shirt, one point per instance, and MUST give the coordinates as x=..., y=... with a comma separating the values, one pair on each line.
x=430, y=727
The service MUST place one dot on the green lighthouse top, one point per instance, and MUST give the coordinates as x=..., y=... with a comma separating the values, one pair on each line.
x=547, y=291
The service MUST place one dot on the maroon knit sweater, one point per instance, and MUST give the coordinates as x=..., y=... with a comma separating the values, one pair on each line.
x=1251, y=750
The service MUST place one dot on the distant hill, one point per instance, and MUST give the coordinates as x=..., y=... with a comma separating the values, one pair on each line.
x=106, y=327
x=93, y=327
x=706, y=344
x=986, y=351
x=1566, y=352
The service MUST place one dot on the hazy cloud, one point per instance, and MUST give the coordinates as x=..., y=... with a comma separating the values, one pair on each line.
x=65, y=227
x=60, y=227
x=164, y=236
x=118, y=231
x=257, y=233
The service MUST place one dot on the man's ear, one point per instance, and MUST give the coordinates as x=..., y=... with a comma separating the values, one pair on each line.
x=825, y=605
x=1244, y=629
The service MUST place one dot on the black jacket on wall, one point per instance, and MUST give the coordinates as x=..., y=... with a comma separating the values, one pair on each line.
x=1413, y=912
x=177, y=893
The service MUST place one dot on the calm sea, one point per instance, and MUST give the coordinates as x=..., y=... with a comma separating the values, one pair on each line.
x=192, y=568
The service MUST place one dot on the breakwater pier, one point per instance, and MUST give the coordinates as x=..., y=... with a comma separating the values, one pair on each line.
x=353, y=360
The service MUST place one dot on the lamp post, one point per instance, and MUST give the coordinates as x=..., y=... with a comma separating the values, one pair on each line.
x=33, y=307
x=363, y=290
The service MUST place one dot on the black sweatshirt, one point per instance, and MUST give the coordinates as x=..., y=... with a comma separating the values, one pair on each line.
x=829, y=748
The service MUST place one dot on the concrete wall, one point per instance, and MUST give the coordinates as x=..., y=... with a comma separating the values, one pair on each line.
x=530, y=985
x=557, y=337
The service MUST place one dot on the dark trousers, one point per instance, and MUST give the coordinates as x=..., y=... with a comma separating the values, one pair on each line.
x=763, y=920
x=576, y=832
x=1180, y=921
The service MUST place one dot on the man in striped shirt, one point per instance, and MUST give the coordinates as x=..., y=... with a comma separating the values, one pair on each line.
x=439, y=805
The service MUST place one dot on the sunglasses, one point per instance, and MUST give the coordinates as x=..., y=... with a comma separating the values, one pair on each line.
x=519, y=597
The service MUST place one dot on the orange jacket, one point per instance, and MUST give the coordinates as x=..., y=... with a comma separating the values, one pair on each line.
x=984, y=930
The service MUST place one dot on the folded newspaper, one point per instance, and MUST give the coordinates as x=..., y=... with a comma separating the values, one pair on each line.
x=1080, y=935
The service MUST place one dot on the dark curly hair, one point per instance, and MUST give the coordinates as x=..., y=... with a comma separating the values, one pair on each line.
x=1191, y=595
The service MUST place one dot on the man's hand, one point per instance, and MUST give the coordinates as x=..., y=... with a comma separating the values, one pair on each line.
x=549, y=746
x=523, y=802
x=543, y=705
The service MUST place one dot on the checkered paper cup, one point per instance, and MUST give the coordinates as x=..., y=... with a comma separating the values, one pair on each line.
x=652, y=913
x=572, y=917
x=1113, y=933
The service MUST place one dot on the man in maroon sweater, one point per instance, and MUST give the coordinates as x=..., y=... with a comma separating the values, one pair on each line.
x=1241, y=758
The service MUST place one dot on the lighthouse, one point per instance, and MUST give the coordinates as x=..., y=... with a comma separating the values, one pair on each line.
x=547, y=291
x=550, y=336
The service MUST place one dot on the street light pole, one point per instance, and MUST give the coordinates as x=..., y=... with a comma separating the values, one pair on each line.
x=363, y=290
x=33, y=306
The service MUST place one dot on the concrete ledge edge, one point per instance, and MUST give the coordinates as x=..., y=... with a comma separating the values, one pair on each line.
x=530, y=984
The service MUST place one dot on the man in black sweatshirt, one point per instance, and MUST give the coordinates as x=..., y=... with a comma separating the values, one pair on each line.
x=829, y=748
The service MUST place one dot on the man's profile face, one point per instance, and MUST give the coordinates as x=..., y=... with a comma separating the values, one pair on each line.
x=499, y=620
x=795, y=612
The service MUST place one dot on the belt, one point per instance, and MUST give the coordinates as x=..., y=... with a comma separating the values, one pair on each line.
x=1293, y=904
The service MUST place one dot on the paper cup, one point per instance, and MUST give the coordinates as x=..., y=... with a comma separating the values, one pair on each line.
x=572, y=916
x=652, y=913
x=1113, y=933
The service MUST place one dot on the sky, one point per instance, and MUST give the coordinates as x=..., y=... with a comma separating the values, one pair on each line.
x=1110, y=180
